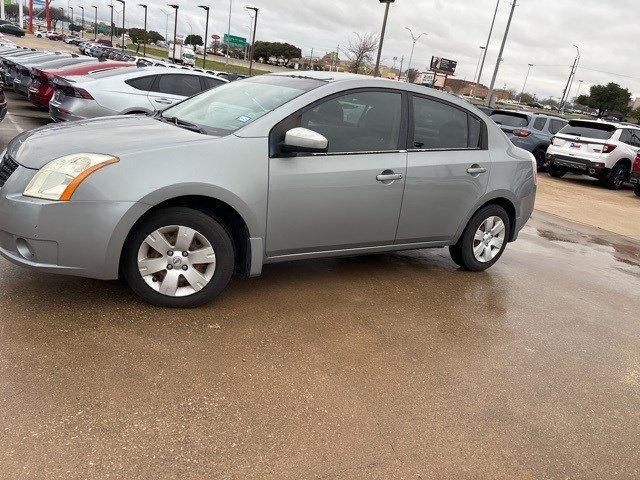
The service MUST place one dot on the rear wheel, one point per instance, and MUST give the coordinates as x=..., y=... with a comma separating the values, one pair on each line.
x=556, y=172
x=483, y=240
x=179, y=257
x=616, y=177
x=540, y=155
x=636, y=190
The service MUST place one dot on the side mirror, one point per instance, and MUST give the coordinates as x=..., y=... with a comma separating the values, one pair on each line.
x=304, y=140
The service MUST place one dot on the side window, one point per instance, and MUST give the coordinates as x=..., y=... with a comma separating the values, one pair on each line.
x=555, y=125
x=437, y=125
x=475, y=130
x=358, y=122
x=539, y=123
x=635, y=138
x=141, y=83
x=208, y=82
x=182, y=85
x=625, y=136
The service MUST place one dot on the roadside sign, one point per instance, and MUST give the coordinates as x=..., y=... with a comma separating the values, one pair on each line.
x=233, y=40
x=215, y=37
x=443, y=65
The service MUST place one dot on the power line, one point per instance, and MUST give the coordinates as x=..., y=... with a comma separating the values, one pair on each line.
x=610, y=73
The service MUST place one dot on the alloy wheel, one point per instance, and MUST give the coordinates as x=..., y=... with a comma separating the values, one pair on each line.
x=488, y=239
x=176, y=260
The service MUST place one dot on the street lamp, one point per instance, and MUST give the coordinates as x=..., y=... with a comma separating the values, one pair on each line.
x=253, y=40
x=206, y=34
x=525, y=80
x=111, y=26
x=175, y=30
x=71, y=9
x=95, y=23
x=166, y=24
x=123, y=11
x=414, y=39
x=376, y=72
x=82, y=22
x=144, y=36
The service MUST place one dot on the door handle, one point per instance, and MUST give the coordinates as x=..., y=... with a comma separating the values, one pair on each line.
x=388, y=177
x=476, y=169
x=163, y=101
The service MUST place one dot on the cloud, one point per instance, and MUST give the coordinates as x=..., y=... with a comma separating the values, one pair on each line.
x=542, y=33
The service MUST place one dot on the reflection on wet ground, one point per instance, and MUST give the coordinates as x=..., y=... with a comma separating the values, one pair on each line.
x=385, y=366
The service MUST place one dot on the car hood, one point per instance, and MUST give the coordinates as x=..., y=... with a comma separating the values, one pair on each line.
x=118, y=136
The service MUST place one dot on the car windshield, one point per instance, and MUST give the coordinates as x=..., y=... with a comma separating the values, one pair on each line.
x=227, y=108
x=601, y=131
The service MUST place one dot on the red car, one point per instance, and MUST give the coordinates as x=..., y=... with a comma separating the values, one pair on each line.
x=41, y=86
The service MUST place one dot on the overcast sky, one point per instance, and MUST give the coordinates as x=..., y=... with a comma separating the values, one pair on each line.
x=542, y=33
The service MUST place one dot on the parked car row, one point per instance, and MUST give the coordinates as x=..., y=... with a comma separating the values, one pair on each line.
x=75, y=87
x=601, y=149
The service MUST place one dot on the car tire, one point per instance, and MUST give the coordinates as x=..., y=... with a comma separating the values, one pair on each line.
x=616, y=177
x=195, y=284
x=556, y=172
x=636, y=190
x=541, y=158
x=468, y=252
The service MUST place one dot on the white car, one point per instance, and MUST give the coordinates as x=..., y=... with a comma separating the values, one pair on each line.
x=604, y=150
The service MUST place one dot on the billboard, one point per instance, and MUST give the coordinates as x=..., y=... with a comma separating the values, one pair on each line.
x=443, y=65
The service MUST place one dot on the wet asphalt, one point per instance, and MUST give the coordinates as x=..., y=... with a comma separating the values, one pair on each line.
x=394, y=366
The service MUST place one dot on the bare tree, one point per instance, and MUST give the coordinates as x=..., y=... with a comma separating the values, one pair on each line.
x=360, y=51
x=412, y=75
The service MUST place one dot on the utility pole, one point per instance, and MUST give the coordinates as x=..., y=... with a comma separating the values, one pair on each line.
x=337, y=57
x=579, y=87
x=144, y=37
x=387, y=3
x=311, y=59
x=82, y=20
x=47, y=14
x=206, y=34
x=567, y=88
x=475, y=75
x=71, y=9
x=2, y=14
x=401, y=64
x=229, y=29
x=123, y=12
x=166, y=25
x=253, y=40
x=525, y=80
x=414, y=39
x=499, y=60
x=486, y=47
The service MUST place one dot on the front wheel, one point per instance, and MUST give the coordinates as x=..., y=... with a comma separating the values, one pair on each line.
x=483, y=240
x=178, y=257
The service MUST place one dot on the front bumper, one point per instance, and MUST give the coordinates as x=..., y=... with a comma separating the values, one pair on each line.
x=577, y=165
x=82, y=238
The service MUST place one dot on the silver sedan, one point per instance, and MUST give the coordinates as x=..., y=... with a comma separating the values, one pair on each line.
x=268, y=169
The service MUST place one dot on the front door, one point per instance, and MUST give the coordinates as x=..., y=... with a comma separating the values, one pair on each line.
x=351, y=196
x=447, y=171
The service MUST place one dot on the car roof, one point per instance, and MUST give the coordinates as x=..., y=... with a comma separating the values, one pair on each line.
x=599, y=121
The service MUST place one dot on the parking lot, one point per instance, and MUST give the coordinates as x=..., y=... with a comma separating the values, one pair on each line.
x=382, y=366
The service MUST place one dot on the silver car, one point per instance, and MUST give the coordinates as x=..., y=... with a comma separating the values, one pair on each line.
x=268, y=169
x=125, y=91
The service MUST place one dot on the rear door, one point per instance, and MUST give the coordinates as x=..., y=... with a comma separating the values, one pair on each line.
x=447, y=170
x=170, y=88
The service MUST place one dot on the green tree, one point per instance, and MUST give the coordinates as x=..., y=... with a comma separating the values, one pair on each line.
x=138, y=35
x=153, y=36
x=275, y=49
x=57, y=15
x=194, y=40
x=610, y=97
x=526, y=98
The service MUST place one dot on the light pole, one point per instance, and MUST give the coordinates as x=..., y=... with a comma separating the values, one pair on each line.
x=579, y=87
x=175, y=30
x=229, y=30
x=486, y=47
x=253, y=40
x=414, y=39
x=524, y=85
x=123, y=13
x=144, y=36
x=206, y=34
x=82, y=21
x=166, y=25
x=388, y=3
x=567, y=89
x=71, y=9
x=95, y=23
x=497, y=67
x=475, y=75
x=111, y=26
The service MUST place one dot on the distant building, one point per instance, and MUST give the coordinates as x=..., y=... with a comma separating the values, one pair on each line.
x=635, y=104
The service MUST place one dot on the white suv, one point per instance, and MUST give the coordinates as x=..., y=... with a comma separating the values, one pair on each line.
x=604, y=150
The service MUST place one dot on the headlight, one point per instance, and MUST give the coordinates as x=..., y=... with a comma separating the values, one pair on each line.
x=59, y=178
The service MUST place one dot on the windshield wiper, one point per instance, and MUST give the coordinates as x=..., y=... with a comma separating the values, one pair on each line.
x=183, y=124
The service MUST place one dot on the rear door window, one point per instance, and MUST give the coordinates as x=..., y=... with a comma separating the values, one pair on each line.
x=539, y=123
x=510, y=119
x=439, y=126
x=178, y=84
x=630, y=137
x=600, y=131
x=142, y=83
